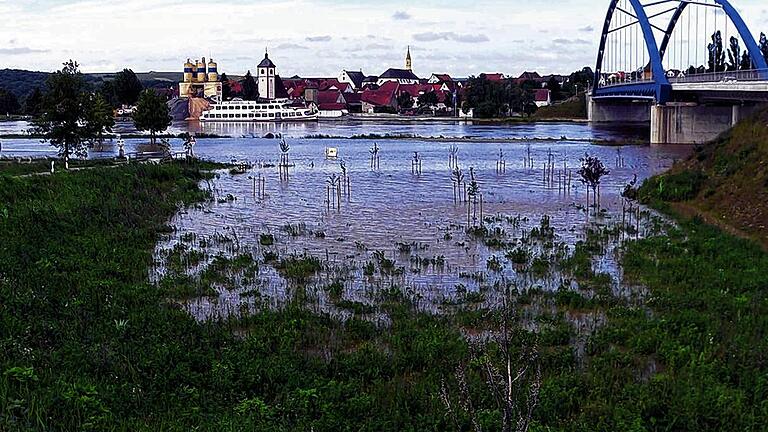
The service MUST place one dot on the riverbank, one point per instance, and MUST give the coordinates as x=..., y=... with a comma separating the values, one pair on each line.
x=725, y=181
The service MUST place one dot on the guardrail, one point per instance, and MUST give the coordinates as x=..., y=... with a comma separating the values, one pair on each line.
x=728, y=76
x=714, y=77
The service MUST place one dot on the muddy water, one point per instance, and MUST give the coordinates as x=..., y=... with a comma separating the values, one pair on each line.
x=392, y=206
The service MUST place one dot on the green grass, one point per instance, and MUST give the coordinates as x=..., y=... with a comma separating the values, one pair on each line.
x=86, y=343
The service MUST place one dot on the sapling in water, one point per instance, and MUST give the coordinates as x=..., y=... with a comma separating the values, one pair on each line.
x=375, y=160
x=592, y=171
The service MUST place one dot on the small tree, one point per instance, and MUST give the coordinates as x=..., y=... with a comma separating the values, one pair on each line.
x=100, y=118
x=226, y=87
x=746, y=62
x=9, y=104
x=592, y=171
x=555, y=88
x=734, y=55
x=448, y=99
x=127, y=87
x=250, y=89
x=64, y=112
x=716, y=54
x=107, y=91
x=405, y=100
x=764, y=46
x=33, y=102
x=511, y=371
x=152, y=114
x=428, y=99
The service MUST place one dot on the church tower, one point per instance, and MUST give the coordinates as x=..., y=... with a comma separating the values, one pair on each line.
x=408, y=62
x=266, y=72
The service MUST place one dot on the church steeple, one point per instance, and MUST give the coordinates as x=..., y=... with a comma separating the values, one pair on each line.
x=408, y=62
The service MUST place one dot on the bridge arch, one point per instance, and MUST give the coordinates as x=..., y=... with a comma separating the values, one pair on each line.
x=657, y=69
x=744, y=33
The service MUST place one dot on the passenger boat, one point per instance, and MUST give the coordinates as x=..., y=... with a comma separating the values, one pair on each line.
x=277, y=110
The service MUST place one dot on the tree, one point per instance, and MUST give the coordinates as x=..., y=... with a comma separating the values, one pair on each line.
x=100, y=118
x=764, y=46
x=488, y=98
x=250, y=89
x=592, y=171
x=64, y=112
x=9, y=104
x=509, y=365
x=127, y=87
x=33, y=102
x=107, y=91
x=226, y=87
x=716, y=55
x=448, y=99
x=555, y=88
x=428, y=99
x=152, y=113
x=405, y=100
x=746, y=62
x=734, y=55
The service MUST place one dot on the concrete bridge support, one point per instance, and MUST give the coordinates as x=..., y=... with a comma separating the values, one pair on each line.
x=690, y=123
x=620, y=111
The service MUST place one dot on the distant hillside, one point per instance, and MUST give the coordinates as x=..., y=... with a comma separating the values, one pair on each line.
x=22, y=82
x=725, y=181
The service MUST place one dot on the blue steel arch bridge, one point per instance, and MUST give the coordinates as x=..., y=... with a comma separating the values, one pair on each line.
x=690, y=67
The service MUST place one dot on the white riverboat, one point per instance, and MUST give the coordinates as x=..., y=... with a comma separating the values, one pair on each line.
x=276, y=110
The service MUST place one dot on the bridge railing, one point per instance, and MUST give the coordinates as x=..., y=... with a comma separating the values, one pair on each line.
x=726, y=77
x=613, y=82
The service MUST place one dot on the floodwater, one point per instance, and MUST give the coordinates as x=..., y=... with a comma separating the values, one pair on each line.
x=394, y=210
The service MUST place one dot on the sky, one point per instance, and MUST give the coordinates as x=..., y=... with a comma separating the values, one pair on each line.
x=312, y=37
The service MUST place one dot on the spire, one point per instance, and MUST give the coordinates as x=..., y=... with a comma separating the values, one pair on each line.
x=408, y=62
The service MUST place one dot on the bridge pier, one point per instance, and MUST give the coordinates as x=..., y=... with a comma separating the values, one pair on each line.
x=618, y=111
x=691, y=123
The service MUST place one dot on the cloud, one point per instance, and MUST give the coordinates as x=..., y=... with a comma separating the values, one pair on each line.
x=587, y=29
x=450, y=36
x=289, y=46
x=319, y=39
x=377, y=46
x=562, y=41
x=401, y=16
x=21, y=51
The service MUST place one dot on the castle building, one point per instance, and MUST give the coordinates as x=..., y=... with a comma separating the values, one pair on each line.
x=266, y=75
x=201, y=80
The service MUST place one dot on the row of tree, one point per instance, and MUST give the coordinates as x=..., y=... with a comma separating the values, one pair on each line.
x=73, y=117
x=250, y=90
x=491, y=99
x=124, y=89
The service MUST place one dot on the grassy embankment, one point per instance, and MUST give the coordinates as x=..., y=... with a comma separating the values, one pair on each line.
x=574, y=108
x=86, y=343
x=725, y=182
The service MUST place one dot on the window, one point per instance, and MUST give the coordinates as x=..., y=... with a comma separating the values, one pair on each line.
x=250, y=107
x=263, y=71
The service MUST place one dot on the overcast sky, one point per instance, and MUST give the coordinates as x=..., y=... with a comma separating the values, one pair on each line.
x=312, y=37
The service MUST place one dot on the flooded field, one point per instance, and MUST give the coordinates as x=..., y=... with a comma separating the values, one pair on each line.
x=399, y=227
x=342, y=234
